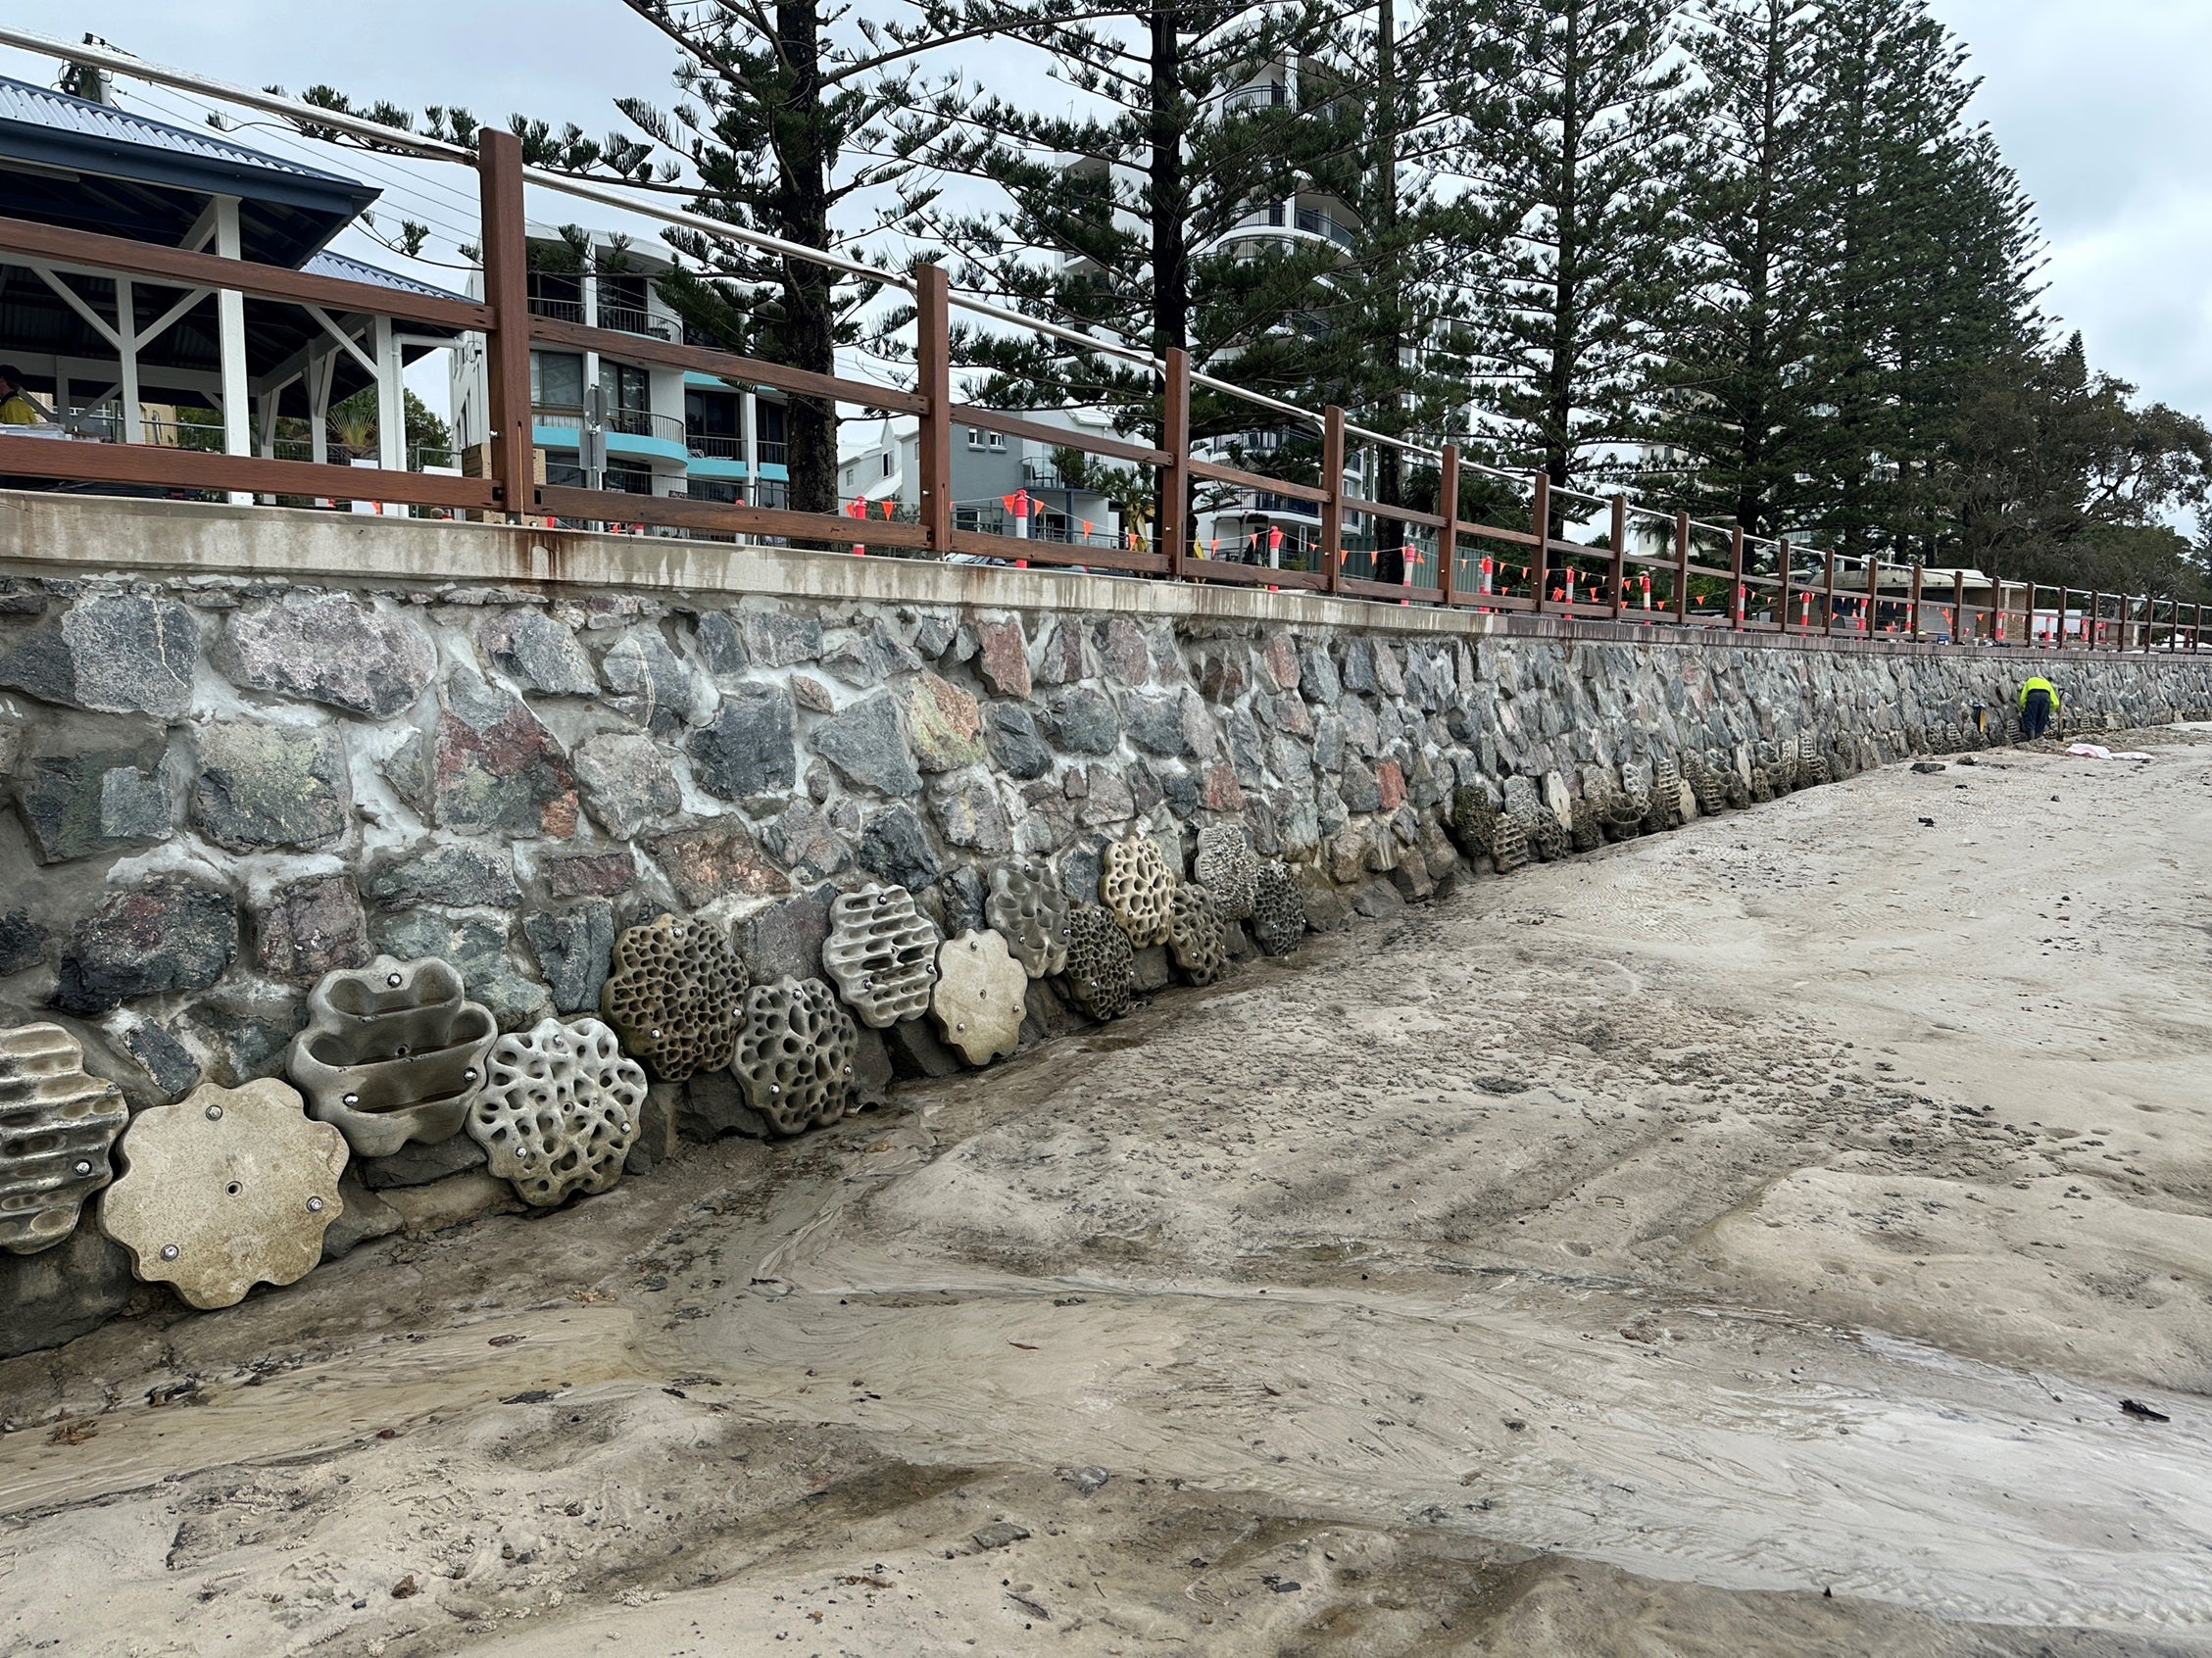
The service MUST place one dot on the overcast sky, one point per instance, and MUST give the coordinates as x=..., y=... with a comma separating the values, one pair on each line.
x=2095, y=103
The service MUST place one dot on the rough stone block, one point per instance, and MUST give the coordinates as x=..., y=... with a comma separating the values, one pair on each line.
x=495, y=769
x=866, y=744
x=895, y=849
x=263, y=786
x=593, y=874
x=716, y=859
x=784, y=941
x=58, y=1295
x=572, y=946
x=122, y=653
x=458, y=875
x=628, y=781
x=96, y=801
x=747, y=748
x=330, y=647
x=167, y=935
x=537, y=653
x=943, y=721
x=416, y=1164
x=309, y=928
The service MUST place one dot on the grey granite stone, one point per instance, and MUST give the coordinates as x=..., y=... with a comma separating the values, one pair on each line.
x=263, y=786
x=122, y=653
x=459, y=874
x=330, y=647
x=866, y=744
x=747, y=748
x=628, y=782
x=573, y=947
x=537, y=653
x=167, y=935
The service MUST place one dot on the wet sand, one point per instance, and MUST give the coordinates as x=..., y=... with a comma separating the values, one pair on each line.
x=1738, y=1242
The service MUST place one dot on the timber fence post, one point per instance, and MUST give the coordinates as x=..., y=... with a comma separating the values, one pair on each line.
x=1539, y=562
x=1448, y=534
x=1332, y=508
x=1682, y=566
x=510, y=455
x=933, y=356
x=1175, y=475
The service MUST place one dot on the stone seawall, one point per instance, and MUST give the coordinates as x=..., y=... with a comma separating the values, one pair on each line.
x=222, y=786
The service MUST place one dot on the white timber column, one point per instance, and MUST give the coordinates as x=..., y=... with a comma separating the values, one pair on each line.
x=391, y=399
x=126, y=333
x=749, y=417
x=590, y=288
x=320, y=370
x=230, y=327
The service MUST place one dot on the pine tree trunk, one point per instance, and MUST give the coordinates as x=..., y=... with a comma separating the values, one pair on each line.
x=802, y=214
x=1171, y=190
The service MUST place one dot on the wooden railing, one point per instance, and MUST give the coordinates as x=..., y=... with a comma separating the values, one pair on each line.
x=1648, y=567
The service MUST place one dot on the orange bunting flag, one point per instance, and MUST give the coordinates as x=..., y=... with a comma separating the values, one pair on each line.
x=1086, y=526
x=1008, y=502
x=887, y=506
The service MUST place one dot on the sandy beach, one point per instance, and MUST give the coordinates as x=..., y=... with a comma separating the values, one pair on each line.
x=1736, y=1242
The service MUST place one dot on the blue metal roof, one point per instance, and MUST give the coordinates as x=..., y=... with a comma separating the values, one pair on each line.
x=94, y=167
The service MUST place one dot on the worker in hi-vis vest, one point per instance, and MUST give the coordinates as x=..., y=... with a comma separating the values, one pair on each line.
x=2038, y=700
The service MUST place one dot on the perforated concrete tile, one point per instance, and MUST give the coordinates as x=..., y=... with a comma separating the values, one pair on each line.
x=559, y=1111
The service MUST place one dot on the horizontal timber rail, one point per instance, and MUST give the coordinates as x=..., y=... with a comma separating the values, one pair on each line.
x=1138, y=506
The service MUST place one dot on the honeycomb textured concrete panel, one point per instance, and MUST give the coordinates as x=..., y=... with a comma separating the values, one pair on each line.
x=1224, y=865
x=883, y=954
x=558, y=1109
x=795, y=1054
x=230, y=1188
x=392, y=1052
x=1197, y=935
x=1137, y=887
x=1101, y=968
x=56, y=1125
x=674, y=996
x=1278, y=914
x=980, y=998
x=1029, y=910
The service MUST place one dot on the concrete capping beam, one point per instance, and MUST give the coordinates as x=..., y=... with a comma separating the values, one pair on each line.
x=78, y=536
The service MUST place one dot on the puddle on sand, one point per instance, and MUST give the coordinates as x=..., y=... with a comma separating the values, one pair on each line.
x=1738, y=1450
x=360, y=1392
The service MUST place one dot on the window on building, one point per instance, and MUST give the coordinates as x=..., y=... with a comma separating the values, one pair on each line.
x=998, y=441
x=974, y=437
x=628, y=388
x=557, y=380
x=887, y=466
x=772, y=492
x=768, y=425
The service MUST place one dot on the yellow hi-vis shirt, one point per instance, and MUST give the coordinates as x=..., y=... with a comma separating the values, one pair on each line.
x=2037, y=682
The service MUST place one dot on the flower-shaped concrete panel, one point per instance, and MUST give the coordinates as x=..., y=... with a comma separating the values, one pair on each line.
x=1101, y=971
x=392, y=1052
x=674, y=996
x=1197, y=935
x=1028, y=908
x=882, y=952
x=794, y=1055
x=558, y=1109
x=981, y=997
x=231, y=1188
x=1278, y=914
x=1137, y=886
x=56, y=1125
x=1225, y=866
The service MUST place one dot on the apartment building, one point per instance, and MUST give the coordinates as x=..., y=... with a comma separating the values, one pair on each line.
x=1000, y=485
x=669, y=431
